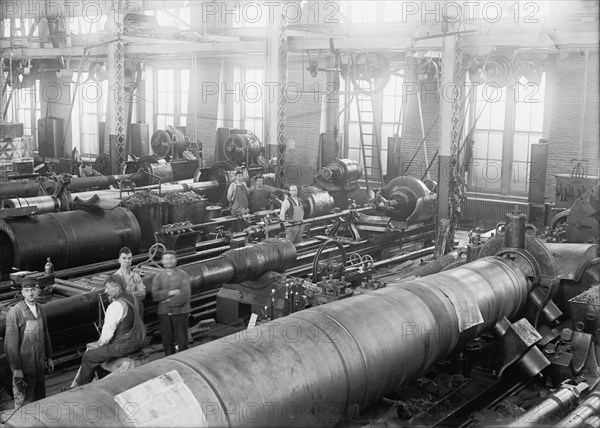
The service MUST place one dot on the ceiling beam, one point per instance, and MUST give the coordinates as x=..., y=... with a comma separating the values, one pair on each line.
x=190, y=48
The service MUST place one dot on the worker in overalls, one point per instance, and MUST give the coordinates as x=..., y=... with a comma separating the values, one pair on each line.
x=237, y=195
x=292, y=211
x=27, y=345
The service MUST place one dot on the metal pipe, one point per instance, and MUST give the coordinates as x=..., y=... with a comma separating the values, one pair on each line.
x=165, y=188
x=340, y=364
x=71, y=238
x=18, y=189
x=241, y=264
x=563, y=399
x=588, y=408
x=43, y=204
x=433, y=266
x=403, y=257
x=103, y=182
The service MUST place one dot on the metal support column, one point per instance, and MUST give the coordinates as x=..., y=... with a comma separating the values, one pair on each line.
x=116, y=115
x=276, y=78
x=450, y=188
x=444, y=167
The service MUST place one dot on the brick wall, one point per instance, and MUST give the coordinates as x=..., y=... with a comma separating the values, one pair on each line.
x=203, y=106
x=563, y=137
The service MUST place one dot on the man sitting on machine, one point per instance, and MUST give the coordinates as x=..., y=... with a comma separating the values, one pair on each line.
x=123, y=331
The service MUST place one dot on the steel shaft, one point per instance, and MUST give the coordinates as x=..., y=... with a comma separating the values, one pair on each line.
x=316, y=367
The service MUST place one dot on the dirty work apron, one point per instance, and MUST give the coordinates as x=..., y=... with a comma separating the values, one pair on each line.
x=33, y=359
x=240, y=200
x=294, y=233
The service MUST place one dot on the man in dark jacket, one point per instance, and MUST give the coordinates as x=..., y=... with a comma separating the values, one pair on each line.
x=27, y=345
x=171, y=288
x=123, y=331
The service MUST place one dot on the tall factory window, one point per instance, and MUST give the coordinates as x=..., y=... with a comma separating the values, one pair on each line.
x=387, y=102
x=171, y=100
x=25, y=108
x=88, y=110
x=252, y=96
x=486, y=164
x=509, y=122
x=528, y=124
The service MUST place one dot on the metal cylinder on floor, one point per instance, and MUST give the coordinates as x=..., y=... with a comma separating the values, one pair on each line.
x=514, y=229
x=73, y=238
x=315, y=367
x=562, y=400
x=246, y=263
x=586, y=409
x=84, y=183
x=318, y=204
x=43, y=204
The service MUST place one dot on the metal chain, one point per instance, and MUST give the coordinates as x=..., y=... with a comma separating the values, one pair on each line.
x=120, y=117
x=281, y=110
x=456, y=177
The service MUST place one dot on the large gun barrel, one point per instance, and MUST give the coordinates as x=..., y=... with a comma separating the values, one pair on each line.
x=316, y=367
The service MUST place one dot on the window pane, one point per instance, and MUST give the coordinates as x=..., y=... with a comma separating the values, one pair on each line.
x=389, y=109
x=497, y=115
x=183, y=102
x=521, y=146
x=184, y=83
x=495, y=145
x=480, y=145
x=522, y=117
x=537, y=117
x=160, y=122
x=354, y=154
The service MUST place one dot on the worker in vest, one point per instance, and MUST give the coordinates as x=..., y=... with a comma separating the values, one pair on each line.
x=292, y=211
x=123, y=331
x=27, y=345
x=237, y=195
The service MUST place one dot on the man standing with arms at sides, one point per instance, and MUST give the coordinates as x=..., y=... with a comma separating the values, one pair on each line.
x=292, y=211
x=260, y=195
x=171, y=288
x=123, y=331
x=237, y=195
x=27, y=345
x=133, y=282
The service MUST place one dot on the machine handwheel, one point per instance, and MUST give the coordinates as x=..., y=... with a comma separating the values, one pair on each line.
x=335, y=261
x=155, y=249
x=369, y=72
x=368, y=261
x=354, y=259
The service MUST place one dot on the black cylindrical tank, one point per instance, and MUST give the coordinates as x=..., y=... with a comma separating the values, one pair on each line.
x=18, y=189
x=70, y=239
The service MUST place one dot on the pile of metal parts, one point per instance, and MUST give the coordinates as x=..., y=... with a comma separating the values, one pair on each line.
x=486, y=329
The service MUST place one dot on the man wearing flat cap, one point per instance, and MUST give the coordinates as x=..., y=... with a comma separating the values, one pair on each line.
x=27, y=345
x=123, y=331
